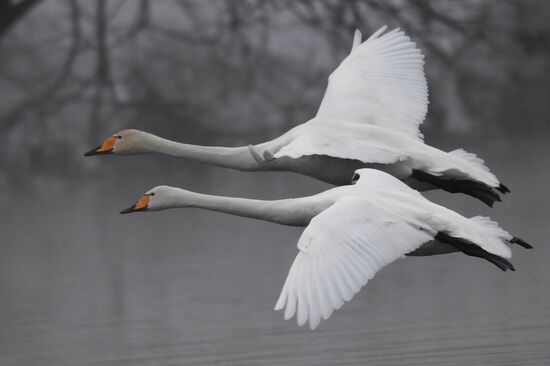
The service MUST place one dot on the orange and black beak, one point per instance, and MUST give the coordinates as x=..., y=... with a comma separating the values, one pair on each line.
x=140, y=205
x=105, y=148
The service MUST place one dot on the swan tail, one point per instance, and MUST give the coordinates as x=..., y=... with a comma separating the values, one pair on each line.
x=477, y=230
x=473, y=167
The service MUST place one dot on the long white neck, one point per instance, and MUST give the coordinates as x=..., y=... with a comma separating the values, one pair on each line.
x=293, y=211
x=230, y=157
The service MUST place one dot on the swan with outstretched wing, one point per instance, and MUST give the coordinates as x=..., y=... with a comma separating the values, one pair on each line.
x=370, y=115
x=351, y=233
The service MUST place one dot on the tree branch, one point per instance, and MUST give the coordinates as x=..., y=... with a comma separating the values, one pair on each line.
x=11, y=12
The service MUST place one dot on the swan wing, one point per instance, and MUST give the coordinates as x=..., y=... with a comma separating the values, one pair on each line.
x=341, y=249
x=375, y=180
x=381, y=82
x=340, y=145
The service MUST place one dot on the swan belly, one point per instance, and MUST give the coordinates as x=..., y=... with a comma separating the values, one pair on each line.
x=332, y=152
x=337, y=171
x=328, y=169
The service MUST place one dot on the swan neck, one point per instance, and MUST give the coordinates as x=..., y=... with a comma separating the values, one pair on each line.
x=293, y=212
x=230, y=157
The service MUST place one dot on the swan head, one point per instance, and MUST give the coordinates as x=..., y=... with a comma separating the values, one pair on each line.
x=357, y=174
x=123, y=142
x=369, y=174
x=156, y=199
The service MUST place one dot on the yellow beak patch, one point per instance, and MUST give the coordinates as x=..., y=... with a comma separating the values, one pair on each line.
x=107, y=145
x=142, y=203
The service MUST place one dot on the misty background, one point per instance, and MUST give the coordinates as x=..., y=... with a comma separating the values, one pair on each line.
x=81, y=284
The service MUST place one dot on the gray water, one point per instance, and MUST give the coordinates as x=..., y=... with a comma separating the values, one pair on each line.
x=82, y=285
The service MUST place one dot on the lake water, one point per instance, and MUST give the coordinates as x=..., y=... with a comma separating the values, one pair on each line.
x=82, y=285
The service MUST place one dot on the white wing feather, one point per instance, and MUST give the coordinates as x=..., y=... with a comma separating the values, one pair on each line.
x=340, y=250
x=381, y=82
x=339, y=145
x=479, y=230
x=378, y=181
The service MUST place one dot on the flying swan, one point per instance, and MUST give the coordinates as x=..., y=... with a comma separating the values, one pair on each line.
x=369, y=117
x=352, y=232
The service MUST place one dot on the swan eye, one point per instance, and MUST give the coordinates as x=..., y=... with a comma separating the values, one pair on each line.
x=152, y=194
x=118, y=137
x=355, y=178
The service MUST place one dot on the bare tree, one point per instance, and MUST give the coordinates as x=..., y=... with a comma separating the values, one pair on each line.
x=11, y=11
x=234, y=71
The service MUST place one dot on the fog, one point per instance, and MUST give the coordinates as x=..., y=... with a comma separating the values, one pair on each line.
x=81, y=284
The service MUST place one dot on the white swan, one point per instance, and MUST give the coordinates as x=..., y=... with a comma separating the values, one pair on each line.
x=352, y=232
x=369, y=117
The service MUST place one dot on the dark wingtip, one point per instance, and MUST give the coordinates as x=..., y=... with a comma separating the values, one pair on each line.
x=521, y=243
x=480, y=191
x=474, y=250
x=475, y=189
x=503, y=189
x=487, y=199
x=502, y=263
x=485, y=196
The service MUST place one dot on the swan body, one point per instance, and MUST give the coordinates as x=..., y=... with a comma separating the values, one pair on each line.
x=351, y=233
x=369, y=117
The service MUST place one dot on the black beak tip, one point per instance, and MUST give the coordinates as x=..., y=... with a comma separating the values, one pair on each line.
x=90, y=153
x=128, y=210
x=96, y=152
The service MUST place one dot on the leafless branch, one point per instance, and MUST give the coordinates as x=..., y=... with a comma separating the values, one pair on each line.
x=45, y=95
x=11, y=12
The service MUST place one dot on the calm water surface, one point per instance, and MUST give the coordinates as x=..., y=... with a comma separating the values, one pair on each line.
x=82, y=285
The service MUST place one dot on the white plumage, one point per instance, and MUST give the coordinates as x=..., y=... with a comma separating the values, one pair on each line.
x=380, y=83
x=341, y=249
x=352, y=232
x=370, y=115
x=382, y=220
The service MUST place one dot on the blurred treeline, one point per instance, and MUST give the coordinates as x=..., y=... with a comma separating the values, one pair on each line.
x=241, y=71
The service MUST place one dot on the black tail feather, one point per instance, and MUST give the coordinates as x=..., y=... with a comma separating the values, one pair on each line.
x=521, y=242
x=473, y=250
